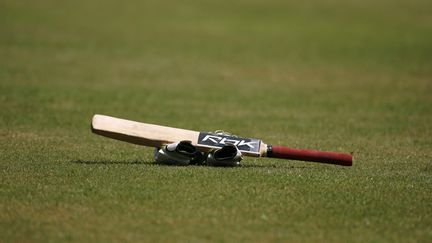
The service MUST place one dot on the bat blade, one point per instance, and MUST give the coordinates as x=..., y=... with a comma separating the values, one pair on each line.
x=156, y=136
x=139, y=133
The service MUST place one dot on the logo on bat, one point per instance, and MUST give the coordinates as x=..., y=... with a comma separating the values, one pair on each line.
x=218, y=140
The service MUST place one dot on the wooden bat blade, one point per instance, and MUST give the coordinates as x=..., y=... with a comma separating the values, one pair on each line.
x=138, y=132
x=156, y=136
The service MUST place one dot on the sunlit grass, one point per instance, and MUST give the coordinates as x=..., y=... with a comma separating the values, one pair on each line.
x=334, y=75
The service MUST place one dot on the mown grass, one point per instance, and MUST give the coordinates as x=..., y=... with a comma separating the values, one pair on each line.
x=333, y=75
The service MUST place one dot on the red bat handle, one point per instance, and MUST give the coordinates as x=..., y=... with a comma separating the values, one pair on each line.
x=309, y=155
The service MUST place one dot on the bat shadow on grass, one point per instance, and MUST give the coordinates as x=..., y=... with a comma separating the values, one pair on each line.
x=152, y=163
x=112, y=162
x=266, y=166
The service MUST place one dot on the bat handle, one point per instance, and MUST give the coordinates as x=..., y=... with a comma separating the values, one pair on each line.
x=309, y=155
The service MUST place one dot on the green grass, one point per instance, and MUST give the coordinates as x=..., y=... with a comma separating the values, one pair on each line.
x=330, y=75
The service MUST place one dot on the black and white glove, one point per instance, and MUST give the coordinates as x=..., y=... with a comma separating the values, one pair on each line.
x=184, y=153
x=228, y=155
x=179, y=153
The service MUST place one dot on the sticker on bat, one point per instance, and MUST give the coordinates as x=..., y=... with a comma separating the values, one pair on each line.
x=219, y=140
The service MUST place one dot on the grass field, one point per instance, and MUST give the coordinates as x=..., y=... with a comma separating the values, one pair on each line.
x=347, y=76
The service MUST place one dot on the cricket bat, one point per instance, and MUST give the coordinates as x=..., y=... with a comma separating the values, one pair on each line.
x=156, y=136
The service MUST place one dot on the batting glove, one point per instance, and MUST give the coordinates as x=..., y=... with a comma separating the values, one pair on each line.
x=179, y=153
x=228, y=155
